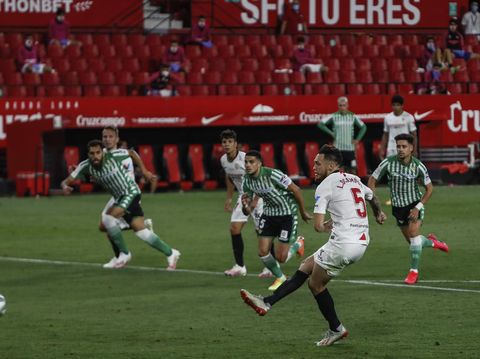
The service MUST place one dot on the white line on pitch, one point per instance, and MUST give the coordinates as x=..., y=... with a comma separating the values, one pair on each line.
x=380, y=282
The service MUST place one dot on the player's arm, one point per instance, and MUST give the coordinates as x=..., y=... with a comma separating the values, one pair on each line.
x=415, y=143
x=137, y=161
x=323, y=125
x=67, y=185
x=380, y=216
x=297, y=193
x=361, y=132
x=320, y=224
x=372, y=183
x=415, y=211
x=230, y=190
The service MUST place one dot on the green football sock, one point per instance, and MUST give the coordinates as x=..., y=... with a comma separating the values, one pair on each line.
x=272, y=264
x=415, y=251
x=292, y=250
x=153, y=240
x=115, y=235
x=426, y=242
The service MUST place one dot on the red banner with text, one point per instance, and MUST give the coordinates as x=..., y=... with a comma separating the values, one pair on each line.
x=79, y=13
x=449, y=120
x=333, y=13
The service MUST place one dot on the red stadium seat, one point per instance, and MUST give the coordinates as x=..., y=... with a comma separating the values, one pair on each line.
x=90, y=51
x=311, y=151
x=79, y=65
x=73, y=91
x=371, y=51
x=106, y=78
x=268, y=154
x=85, y=39
x=217, y=64
x=184, y=90
x=101, y=39
x=413, y=76
x=226, y=51
x=386, y=51
x=31, y=79
x=212, y=77
x=233, y=64
x=61, y=65
x=252, y=40
x=297, y=78
x=55, y=91
x=322, y=89
x=230, y=90
x=131, y=65
x=118, y=39
x=54, y=51
x=317, y=40
x=16, y=91
x=193, y=51
x=332, y=64
x=250, y=64
x=340, y=51
x=286, y=41
x=252, y=90
x=195, y=78
x=373, y=89
x=395, y=65
x=141, y=51
x=236, y=40
x=96, y=65
x=113, y=65
x=405, y=89
x=50, y=79
x=347, y=77
x=122, y=51
x=316, y=77
x=337, y=89
x=200, y=90
x=398, y=77
x=199, y=176
x=71, y=156
x=73, y=52
x=153, y=40
x=266, y=65
x=140, y=78
x=347, y=64
x=124, y=78
x=243, y=51
x=171, y=162
x=13, y=78
x=259, y=51
x=270, y=90
x=365, y=77
x=230, y=78
x=70, y=78
x=355, y=89
x=219, y=39
x=461, y=76
x=455, y=88
x=88, y=78
x=380, y=76
x=291, y=163
x=269, y=40
x=91, y=91
x=280, y=78
x=107, y=51
x=210, y=53
x=332, y=77
x=360, y=159
x=246, y=77
x=323, y=52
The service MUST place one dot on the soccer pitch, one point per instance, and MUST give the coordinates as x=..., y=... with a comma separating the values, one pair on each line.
x=62, y=304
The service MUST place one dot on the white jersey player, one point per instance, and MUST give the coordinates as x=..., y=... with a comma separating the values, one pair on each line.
x=396, y=123
x=233, y=163
x=343, y=196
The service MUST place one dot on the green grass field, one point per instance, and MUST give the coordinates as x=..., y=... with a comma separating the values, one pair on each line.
x=73, y=308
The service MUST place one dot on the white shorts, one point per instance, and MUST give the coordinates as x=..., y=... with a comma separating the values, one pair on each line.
x=311, y=68
x=121, y=221
x=35, y=68
x=238, y=216
x=334, y=256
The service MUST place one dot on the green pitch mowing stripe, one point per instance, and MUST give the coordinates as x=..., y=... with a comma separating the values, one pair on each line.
x=194, y=271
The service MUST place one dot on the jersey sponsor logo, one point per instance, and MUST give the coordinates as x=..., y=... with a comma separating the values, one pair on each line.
x=208, y=120
x=82, y=121
x=404, y=175
x=420, y=116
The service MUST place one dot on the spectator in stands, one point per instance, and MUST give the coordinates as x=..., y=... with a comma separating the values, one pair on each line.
x=59, y=30
x=294, y=22
x=432, y=84
x=175, y=57
x=28, y=58
x=471, y=21
x=200, y=34
x=343, y=123
x=431, y=54
x=454, y=45
x=303, y=60
x=162, y=83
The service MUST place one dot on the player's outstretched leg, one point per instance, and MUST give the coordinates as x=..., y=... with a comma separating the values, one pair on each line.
x=154, y=241
x=438, y=244
x=416, y=246
x=255, y=301
x=272, y=264
x=298, y=247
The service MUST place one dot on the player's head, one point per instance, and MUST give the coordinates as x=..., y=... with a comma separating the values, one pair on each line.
x=253, y=162
x=174, y=46
x=110, y=137
x=95, y=152
x=328, y=160
x=28, y=40
x=60, y=15
x=201, y=21
x=342, y=104
x=404, y=145
x=397, y=104
x=229, y=141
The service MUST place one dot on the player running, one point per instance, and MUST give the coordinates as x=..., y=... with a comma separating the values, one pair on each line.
x=106, y=168
x=403, y=171
x=233, y=163
x=110, y=140
x=281, y=200
x=343, y=195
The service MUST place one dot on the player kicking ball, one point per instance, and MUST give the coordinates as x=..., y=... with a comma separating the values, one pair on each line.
x=342, y=195
x=408, y=204
x=106, y=169
x=282, y=200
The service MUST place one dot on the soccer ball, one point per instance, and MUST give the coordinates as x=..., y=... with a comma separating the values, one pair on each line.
x=3, y=305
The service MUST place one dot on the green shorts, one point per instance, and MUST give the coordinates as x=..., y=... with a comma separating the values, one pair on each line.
x=402, y=213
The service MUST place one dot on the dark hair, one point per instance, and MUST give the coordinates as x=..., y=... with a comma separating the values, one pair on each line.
x=228, y=134
x=201, y=17
x=60, y=11
x=112, y=128
x=404, y=137
x=331, y=153
x=437, y=64
x=397, y=99
x=300, y=40
x=453, y=21
x=256, y=154
x=94, y=143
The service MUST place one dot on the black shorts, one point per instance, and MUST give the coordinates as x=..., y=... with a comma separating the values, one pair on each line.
x=283, y=227
x=348, y=157
x=134, y=210
x=402, y=213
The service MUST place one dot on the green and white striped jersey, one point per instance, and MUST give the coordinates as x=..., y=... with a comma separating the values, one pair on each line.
x=271, y=185
x=403, y=179
x=112, y=174
x=343, y=129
